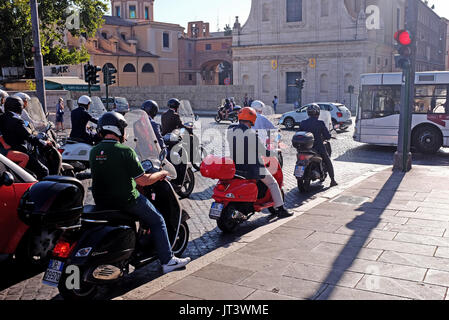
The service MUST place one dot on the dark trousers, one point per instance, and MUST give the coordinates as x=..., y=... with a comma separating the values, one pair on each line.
x=37, y=168
x=327, y=160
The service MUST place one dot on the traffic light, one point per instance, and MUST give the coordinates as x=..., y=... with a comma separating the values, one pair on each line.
x=87, y=74
x=112, y=72
x=95, y=77
x=404, y=41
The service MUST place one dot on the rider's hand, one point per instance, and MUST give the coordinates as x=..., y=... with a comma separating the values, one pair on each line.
x=164, y=174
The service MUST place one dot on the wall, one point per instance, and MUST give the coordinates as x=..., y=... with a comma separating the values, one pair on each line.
x=202, y=98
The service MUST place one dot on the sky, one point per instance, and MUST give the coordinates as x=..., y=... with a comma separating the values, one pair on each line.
x=221, y=12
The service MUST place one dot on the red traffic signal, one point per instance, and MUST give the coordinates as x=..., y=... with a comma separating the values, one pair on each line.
x=403, y=37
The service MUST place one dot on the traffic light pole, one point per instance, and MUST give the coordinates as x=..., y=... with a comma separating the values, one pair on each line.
x=403, y=156
x=38, y=60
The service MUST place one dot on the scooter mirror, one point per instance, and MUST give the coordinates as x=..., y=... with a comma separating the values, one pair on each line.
x=7, y=179
x=163, y=155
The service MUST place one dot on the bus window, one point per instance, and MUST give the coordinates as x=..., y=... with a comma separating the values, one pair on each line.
x=431, y=99
x=380, y=101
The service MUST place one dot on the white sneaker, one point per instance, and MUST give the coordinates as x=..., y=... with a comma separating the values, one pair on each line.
x=174, y=264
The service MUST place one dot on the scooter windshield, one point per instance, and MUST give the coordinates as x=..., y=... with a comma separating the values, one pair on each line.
x=97, y=108
x=186, y=112
x=37, y=114
x=141, y=137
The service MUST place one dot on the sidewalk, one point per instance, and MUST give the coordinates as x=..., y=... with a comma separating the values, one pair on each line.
x=386, y=237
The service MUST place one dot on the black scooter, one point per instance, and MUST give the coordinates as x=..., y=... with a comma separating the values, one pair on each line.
x=309, y=166
x=232, y=116
x=108, y=243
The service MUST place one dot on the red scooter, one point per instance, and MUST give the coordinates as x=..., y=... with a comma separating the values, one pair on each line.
x=236, y=198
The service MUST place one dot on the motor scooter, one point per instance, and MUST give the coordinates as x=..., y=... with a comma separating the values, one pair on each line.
x=232, y=116
x=109, y=243
x=309, y=166
x=237, y=198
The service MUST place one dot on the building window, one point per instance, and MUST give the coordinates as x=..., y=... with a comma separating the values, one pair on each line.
x=104, y=35
x=294, y=10
x=117, y=11
x=147, y=68
x=324, y=83
x=266, y=83
x=369, y=60
x=208, y=46
x=129, y=68
x=325, y=8
x=147, y=13
x=398, y=19
x=245, y=80
x=132, y=12
x=96, y=44
x=166, y=40
x=190, y=63
x=190, y=77
x=123, y=36
x=348, y=82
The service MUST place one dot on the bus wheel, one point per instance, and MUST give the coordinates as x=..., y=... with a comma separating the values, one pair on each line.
x=427, y=140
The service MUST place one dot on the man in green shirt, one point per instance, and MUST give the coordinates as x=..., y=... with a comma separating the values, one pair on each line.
x=116, y=172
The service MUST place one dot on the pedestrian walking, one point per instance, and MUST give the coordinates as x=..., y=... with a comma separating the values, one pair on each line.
x=60, y=115
x=275, y=103
x=246, y=101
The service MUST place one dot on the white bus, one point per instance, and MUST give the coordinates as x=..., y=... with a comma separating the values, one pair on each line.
x=377, y=120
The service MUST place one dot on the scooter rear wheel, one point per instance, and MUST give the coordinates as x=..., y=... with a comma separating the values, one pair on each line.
x=226, y=222
x=189, y=184
x=86, y=292
x=304, y=185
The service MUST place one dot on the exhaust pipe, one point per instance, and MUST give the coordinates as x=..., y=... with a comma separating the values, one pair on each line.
x=107, y=272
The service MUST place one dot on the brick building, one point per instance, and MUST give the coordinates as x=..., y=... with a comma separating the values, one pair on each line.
x=205, y=58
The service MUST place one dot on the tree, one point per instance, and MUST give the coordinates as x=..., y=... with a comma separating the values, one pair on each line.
x=16, y=35
x=227, y=30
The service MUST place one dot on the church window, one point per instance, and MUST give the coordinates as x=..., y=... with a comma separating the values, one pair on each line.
x=324, y=83
x=266, y=83
x=325, y=8
x=129, y=68
x=132, y=12
x=265, y=12
x=294, y=10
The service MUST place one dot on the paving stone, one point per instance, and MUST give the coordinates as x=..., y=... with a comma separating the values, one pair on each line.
x=209, y=289
x=323, y=275
x=402, y=288
x=261, y=295
x=340, y=293
x=375, y=234
x=254, y=263
x=442, y=252
x=298, y=288
x=402, y=247
x=437, y=232
x=400, y=258
x=219, y=272
x=347, y=249
x=437, y=277
x=422, y=239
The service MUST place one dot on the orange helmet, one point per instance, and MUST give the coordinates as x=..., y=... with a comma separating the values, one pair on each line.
x=248, y=114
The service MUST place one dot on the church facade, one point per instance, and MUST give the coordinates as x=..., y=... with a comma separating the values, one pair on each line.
x=329, y=43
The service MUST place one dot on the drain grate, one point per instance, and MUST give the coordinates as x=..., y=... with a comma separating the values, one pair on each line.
x=351, y=200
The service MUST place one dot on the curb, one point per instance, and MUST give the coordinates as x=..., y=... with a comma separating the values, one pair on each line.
x=145, y=291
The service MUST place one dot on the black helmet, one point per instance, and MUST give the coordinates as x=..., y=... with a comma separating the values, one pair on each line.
x=313, y=110
x=173, y=103
x=151, y=108
x=14, y=104
x=112, y=122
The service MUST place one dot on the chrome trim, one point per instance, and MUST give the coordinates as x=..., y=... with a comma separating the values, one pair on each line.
x=70, y=228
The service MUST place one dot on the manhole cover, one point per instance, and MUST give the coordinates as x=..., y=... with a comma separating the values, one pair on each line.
x=351, y=200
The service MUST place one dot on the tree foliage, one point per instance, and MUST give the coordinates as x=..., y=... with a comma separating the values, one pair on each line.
x=16, y=29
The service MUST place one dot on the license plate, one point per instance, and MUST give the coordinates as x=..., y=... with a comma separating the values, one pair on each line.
x=299, y=171
x=53, y=273
x=215, y=211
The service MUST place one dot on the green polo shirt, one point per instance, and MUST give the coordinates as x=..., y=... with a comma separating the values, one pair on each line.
x=114, y=170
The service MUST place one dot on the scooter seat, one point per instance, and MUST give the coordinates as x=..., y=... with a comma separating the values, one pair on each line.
x=92, y=213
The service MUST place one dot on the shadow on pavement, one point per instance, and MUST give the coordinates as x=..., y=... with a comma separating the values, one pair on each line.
x=13, y=273
x=362, y=225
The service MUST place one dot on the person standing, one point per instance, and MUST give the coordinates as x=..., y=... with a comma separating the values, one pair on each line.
x=60, y=115
x=275, y=103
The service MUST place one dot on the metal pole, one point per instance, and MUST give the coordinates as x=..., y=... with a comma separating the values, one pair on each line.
x=38, y=60
x=403, y=157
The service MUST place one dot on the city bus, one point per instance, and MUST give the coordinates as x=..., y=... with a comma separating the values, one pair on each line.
x=377, y=120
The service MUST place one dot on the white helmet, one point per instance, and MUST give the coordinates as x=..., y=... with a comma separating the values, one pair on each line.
x=258, y=105
x=23, y=96
x=3, y=94
x=84, y=100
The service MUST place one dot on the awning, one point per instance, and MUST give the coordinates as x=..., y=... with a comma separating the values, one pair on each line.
x=68, y=83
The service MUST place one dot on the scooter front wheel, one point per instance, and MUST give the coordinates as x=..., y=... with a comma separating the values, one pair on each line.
x=182, y=240
x=189, y=184
x=217, y=119
x=226, y=222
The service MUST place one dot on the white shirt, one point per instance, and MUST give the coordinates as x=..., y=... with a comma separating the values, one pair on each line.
x=263, y=125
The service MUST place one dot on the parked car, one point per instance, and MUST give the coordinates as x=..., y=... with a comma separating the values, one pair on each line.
x=293, y=118
x=118, y=104
x=341, y=116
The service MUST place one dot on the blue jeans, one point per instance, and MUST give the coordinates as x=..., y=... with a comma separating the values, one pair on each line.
x=151, y=218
